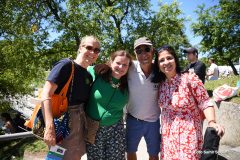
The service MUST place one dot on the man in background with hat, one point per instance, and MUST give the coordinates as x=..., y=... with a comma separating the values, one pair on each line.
x=195, y=65
x=142, y=110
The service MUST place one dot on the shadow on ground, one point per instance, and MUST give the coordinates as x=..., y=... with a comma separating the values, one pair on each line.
x=13, y=148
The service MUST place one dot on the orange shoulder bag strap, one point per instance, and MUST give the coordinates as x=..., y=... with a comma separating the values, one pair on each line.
x=65, y=88
x=29, y=123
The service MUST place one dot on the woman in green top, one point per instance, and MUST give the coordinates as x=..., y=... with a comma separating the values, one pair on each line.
x=108, y=96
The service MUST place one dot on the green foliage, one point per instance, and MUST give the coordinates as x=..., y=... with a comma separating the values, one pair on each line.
x=36, y=146
x=19, y=68
x=168, y=26
x=116, y=21
x=17, y=147
x=219, y=27
x=20, y=45
x=164, y=27
x=28, y=44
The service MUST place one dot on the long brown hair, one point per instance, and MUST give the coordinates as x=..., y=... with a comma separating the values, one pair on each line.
x=107, y=74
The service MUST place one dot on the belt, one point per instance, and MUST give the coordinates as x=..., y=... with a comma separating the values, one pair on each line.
x=131, y=116
x=77, y=107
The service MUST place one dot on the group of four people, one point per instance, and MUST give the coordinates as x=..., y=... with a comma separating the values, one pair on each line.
x=144, y=87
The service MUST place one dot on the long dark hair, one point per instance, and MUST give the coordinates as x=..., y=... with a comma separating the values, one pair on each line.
x=158, y=75
x=106, y=74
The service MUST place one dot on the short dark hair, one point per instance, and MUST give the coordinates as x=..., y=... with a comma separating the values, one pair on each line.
x=212, y=60
x=191, y=50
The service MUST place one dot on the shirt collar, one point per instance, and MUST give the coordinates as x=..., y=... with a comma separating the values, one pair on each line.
x=139, y=69
x=174, y=79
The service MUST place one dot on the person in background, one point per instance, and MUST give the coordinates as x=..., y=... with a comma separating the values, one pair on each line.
x=109, y=95
x=19, y=121
x=196, y=66
x=142, y=110
x=9, y=125
x=78, y=94
x=213, y=71
x=182, y=98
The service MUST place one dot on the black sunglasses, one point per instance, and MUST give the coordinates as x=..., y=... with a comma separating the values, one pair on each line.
x=140, y=51
x=90, y=48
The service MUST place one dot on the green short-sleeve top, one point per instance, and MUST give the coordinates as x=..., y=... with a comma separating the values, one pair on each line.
x=105, y=102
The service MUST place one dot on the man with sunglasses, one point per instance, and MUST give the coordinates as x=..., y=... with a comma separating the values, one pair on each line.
x=78, y=93
x=142, y=110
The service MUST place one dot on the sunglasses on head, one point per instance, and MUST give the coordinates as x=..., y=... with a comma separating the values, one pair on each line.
x=90, y=48
x=140, y=51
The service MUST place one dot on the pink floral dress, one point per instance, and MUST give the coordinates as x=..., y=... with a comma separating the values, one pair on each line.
x=182, y=117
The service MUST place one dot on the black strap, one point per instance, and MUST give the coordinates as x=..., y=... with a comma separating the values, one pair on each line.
x=70, y=93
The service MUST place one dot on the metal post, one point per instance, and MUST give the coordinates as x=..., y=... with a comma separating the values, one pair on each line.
x=7, y=137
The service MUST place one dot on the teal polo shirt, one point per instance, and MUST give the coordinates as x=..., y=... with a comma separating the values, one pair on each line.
x=105, y=102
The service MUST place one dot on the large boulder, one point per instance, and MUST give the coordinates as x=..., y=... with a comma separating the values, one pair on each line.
x=228, y=115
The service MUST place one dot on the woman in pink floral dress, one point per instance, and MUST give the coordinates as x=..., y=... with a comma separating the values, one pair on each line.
x=182, y=98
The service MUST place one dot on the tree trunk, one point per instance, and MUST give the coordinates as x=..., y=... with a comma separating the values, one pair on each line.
x=77, y=39
x=220, y=51
x=233, y=67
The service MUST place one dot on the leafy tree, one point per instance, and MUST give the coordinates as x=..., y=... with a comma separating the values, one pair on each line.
x=28, y=45
x=18, y=53
x=166, y=26
x=219, y=27
x=116, y=20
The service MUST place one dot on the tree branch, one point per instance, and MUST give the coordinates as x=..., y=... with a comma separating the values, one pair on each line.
x=54, y=11
x=99, y=6
x=118, y=21
x=125, y=13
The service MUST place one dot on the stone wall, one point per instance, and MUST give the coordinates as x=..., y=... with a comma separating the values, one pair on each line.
x=228, y=115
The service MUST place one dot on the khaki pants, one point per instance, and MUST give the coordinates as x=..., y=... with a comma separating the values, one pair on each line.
x=74, y=143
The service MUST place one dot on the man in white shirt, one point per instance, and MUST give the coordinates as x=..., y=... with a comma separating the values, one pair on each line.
x=142, y=110
x=213, y=71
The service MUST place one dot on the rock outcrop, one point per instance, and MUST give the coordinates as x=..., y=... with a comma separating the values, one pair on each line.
x=228, y=115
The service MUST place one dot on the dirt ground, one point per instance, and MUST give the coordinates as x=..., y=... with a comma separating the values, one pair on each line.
x=225, y=153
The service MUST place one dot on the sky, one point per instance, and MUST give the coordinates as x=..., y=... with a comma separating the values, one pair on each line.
x=188, y=7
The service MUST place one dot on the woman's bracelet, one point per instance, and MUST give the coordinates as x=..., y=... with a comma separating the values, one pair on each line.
x=211, y=121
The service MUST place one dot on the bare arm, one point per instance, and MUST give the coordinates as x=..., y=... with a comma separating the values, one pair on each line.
x=49, y=135
x=210, y=72
x=210, y=116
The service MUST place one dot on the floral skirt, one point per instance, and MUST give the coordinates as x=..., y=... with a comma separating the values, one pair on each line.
x=110, y=143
